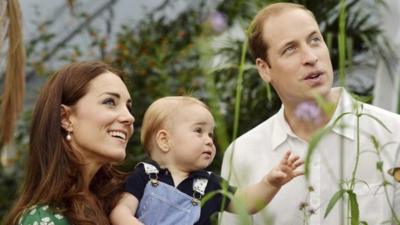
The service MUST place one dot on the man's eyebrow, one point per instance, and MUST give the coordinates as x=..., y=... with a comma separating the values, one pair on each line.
x=313, y=33
x=286, y=45
x=289, y=43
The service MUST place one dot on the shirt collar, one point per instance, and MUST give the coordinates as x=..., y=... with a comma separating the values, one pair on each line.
x=194, y=174
x=345, y=127
x=281, y=129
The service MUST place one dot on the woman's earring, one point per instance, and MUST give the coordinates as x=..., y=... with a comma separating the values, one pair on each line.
x=68, y=137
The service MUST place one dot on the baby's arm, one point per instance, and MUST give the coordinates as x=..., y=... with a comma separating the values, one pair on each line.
x=257, y=196
x=124, y=211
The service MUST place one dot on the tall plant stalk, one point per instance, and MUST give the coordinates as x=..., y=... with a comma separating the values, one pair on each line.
x=342, y=60
x=238, y=96
x=239, y=88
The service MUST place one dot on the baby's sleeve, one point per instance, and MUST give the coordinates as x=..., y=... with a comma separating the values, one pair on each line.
x=136, y=182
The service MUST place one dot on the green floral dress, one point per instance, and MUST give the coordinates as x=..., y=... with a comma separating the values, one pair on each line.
x=42, y=215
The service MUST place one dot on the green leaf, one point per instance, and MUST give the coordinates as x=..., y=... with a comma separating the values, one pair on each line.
x=207, y=197
x=375, y=143
x=379, y=165
x=338, y=195
x=355, y=212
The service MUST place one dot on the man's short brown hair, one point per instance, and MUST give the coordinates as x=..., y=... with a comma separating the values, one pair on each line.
x=257, y=43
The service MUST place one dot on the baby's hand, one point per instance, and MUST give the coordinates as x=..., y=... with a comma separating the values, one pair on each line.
x=286, y=170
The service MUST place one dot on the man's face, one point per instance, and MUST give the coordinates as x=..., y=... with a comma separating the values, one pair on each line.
x=300, y=65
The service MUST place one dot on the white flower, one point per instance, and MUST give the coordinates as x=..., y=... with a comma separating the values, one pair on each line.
x=58, y=216
x=46, y=219
x=33, y=211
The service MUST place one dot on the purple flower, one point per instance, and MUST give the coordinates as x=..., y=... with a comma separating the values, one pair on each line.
x=218, y=21
x=308, y=111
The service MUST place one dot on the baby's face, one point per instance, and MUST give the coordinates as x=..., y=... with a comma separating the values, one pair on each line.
x=191, y=137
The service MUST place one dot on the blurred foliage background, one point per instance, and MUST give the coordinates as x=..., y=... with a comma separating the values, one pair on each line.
x=195, y=52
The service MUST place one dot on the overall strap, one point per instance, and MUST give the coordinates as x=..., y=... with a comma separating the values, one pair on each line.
x=152, y=171
x=149, y=169
x=199, y=188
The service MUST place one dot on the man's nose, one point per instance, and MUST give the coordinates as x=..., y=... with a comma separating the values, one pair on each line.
x=309, y=56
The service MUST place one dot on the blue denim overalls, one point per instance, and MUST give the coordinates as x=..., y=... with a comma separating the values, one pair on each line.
x=163, y=204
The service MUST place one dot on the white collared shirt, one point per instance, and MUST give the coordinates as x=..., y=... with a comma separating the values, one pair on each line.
x=254, y=154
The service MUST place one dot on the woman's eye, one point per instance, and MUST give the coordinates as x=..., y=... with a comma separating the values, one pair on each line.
x=109, y=102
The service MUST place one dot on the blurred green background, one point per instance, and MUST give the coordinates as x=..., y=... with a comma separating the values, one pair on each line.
x=195, y=50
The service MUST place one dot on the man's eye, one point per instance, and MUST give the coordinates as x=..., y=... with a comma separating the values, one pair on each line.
x=316, y=40
x=288, y=50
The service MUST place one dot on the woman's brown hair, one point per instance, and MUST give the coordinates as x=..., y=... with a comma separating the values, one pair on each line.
x=54, y=172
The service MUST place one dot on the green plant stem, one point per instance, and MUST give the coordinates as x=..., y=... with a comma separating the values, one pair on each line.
x=239, y=89
x=342, y=60
x=385, y=189
x=390, y=205
x=342, y=42
x=353, y=176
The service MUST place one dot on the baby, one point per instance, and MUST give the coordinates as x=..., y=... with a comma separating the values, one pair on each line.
x=177, y=133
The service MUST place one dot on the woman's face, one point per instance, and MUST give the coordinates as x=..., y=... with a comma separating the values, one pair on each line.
x=101, y=121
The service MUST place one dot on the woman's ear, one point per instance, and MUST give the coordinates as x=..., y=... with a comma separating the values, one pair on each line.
x=162, y=140
x=264, y=70
x=65, y=113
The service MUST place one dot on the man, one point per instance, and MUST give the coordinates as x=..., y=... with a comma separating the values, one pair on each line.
x=292, y=56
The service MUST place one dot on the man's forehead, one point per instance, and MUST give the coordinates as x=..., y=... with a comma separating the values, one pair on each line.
x=289, y=24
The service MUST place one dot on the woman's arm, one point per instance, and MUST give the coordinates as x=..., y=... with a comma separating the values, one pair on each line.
x=124, y=211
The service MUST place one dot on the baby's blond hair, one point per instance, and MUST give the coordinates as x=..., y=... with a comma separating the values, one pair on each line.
x=159, y=114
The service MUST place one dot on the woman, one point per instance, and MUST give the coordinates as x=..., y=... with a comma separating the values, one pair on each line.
x=80, y=126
